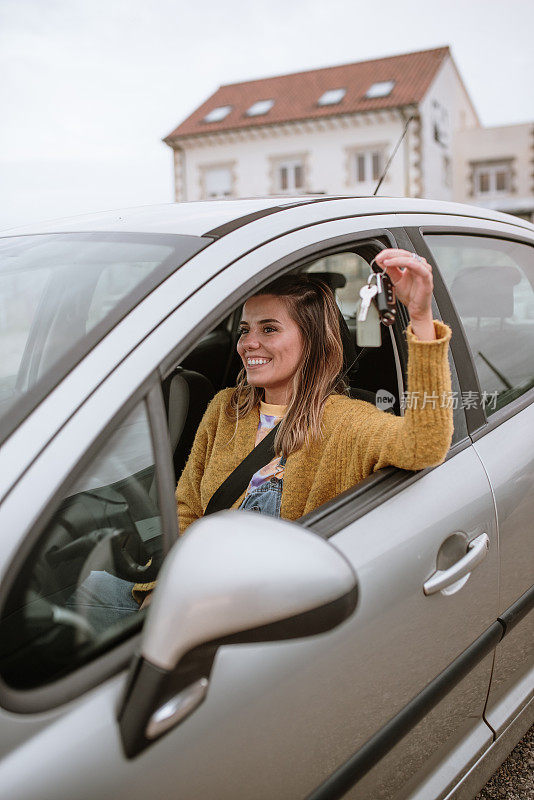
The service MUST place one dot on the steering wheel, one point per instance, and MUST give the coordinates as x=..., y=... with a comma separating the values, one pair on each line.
x=90, y=545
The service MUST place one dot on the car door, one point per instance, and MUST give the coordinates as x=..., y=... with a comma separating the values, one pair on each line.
x=490, y=275
x=280, y=717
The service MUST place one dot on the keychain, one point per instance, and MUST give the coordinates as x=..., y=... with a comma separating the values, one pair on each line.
x=377, y=304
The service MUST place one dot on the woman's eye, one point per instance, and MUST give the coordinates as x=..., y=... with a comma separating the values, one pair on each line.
x=269, y=329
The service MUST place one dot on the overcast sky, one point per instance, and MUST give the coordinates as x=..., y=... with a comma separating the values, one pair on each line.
x=88, y=88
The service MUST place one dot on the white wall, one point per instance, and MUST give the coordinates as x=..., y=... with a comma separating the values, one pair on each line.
x=447, y=91
x=326, y=158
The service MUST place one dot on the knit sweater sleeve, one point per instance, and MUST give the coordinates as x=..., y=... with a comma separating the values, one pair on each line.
x=422, y=437
x=188, y=499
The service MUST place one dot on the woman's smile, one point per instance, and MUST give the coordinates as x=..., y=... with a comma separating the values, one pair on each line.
x=253, y=362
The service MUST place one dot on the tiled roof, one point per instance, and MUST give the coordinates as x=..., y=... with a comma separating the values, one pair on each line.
x=296, y=95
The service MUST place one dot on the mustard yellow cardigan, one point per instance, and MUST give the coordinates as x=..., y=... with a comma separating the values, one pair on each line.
x=357, y=440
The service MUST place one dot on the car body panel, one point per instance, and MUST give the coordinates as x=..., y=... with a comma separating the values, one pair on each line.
x=199, y=217
x=507, y=453
x=397, y=637
x=281, y=717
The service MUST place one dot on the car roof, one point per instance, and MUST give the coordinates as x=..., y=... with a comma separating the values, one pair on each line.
x=200, y=218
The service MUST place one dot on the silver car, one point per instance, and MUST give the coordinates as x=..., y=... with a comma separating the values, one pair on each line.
x=381, y=646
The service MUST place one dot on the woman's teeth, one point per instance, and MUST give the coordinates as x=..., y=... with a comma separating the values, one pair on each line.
x=252, y=362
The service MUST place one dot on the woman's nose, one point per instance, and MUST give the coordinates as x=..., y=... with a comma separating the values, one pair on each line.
x=249, y=342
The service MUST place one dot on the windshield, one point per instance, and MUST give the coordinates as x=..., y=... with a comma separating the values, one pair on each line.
x=61, y=293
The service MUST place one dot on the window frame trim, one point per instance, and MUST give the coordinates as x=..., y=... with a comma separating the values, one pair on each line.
x=292, y=160
x=367, y=150
x=230, y=165
x=491, y=167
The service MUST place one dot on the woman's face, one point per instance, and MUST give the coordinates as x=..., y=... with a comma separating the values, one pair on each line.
x=270, y=347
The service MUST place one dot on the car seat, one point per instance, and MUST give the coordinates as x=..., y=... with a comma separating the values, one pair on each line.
x=186, y=395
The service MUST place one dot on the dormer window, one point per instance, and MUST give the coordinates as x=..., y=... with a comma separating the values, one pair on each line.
x=260, y=107
x=380, y=89
x=332, y=97
x=217, y=114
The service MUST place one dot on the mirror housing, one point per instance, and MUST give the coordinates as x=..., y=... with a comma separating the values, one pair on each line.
x=235, y=572
x=231, y=578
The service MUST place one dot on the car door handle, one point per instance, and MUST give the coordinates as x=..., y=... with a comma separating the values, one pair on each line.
x=442, y=578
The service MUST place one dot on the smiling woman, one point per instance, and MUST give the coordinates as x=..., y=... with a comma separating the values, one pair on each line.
x=294, y=329
x=326, y=442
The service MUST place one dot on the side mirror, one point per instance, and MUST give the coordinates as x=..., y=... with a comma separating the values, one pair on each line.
x=232, y=578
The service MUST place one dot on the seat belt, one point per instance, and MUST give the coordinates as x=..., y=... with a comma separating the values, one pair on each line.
x=237, y=482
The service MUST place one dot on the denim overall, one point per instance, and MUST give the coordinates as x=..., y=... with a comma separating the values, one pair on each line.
x=266, y=498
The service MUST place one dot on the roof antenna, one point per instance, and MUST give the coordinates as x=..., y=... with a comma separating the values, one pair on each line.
x=390, y=159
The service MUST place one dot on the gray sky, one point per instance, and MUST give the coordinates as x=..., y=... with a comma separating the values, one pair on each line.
x=89, y=87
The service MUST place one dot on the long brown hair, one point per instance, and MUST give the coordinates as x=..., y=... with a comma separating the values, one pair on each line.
x=311, y=304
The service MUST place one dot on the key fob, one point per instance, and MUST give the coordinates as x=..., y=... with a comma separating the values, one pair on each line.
x=368, y=333
x=385, y=299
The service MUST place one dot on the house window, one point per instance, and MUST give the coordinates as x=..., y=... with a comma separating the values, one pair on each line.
x=290, y=174
x=368, y=165
x=447, y=172
x=380, y=89
x=217, y=114
x=260, y=107
x=492, y=179
x=217, y=182
x=440, y=123
x=331, y=97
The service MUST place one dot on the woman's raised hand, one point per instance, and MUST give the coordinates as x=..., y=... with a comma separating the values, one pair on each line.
x=412, y=277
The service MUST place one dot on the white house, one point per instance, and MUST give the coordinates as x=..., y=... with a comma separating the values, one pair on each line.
x=333, y=130
x=494, y=167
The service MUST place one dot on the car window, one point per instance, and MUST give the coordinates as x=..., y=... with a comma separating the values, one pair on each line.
x=355, y=271
x=73, y=597
x=61, y=293
x=491, y=282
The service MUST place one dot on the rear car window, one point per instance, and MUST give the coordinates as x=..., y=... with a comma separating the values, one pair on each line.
x=491, y=282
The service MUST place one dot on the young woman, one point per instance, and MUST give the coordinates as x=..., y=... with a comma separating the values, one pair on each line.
x=292, y=355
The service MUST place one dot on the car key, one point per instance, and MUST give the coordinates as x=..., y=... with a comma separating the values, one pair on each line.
x=368, y=332
x=385, y=298
x=367, y=293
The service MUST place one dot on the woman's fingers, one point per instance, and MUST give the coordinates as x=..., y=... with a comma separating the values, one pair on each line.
x=415, y=267
x=394, y=256
x=400, y=263
x=411, y=276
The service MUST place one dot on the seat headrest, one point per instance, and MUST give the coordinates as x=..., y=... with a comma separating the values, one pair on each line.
x=334, y=280
x=485, y=291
